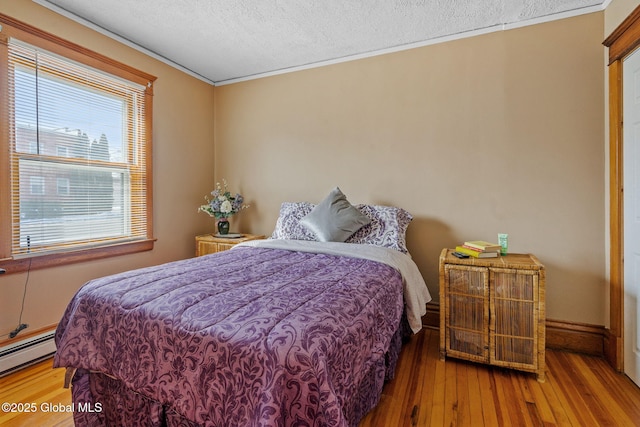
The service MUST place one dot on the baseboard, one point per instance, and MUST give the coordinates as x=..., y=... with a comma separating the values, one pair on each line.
x=575, y=337
x=432, y=318
x=613, y=350
x=28, y=333
x=560, y=335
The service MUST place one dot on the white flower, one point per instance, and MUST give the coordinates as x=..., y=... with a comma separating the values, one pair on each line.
x=223, y=204
x=226, y=207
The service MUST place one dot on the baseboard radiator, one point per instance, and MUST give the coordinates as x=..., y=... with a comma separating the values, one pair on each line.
x=26, y=352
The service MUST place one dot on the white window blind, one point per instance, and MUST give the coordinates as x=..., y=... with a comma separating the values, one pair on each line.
x=77, y=154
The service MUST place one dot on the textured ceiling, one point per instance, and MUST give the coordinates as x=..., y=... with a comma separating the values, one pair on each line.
x=229, y=40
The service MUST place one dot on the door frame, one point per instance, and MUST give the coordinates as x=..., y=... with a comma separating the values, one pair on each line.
x=624, y=39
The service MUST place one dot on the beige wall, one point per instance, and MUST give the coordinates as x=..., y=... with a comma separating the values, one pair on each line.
x=523, y=107
x=496, y=133
x=183, y=172
x=616, y=12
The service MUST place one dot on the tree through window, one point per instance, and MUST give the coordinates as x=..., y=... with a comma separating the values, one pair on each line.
x=78, y=138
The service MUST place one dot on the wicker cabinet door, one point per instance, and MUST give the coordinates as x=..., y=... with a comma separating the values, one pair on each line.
x=514, y=318
x=467, y=312
x=204, y=247
x=225, y=246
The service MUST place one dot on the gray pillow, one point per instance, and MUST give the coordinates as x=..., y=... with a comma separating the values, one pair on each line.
x=334, y=219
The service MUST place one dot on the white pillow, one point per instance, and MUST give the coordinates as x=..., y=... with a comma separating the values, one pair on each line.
x=334, y=219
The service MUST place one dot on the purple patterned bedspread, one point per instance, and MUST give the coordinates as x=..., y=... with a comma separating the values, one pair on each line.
x=247, y=337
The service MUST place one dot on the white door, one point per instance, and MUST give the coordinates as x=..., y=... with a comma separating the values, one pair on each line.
x=631, y=168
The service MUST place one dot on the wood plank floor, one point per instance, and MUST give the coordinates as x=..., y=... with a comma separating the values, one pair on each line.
x=579, y=391
x=39, y=384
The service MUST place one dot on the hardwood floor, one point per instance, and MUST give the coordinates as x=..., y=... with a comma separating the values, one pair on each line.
x=39, y=384
x=579, y=391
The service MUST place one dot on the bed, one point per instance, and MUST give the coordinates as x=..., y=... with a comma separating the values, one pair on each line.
x=277, y=332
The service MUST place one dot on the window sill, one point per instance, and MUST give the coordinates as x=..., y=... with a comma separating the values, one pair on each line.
x=55, y=260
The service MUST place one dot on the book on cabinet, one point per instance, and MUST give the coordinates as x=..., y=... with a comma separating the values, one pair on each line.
x=482, y=246
x=477, y=254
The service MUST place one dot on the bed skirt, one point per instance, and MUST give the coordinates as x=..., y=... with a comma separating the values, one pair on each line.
x=100, y=400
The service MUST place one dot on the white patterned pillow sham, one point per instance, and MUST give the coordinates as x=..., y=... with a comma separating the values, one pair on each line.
x=288, y=224
x=387, y=228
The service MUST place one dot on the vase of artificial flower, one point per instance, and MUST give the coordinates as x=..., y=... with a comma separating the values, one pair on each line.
x=222, y=205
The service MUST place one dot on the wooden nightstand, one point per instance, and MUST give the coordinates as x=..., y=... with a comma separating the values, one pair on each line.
x=492, y=310
x=209, y=244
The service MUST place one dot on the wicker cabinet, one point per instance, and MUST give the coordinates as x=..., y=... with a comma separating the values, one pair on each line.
x=209, y=244
x=492, y=310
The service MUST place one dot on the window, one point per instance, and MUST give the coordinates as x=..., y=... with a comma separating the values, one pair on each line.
x=63, y=186
x=76, y=127
x=36, y=184
x=62, y=151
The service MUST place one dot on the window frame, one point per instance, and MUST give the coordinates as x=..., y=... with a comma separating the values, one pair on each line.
x=10, y=27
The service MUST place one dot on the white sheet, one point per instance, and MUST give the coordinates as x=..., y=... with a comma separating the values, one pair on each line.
x=416, y=293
